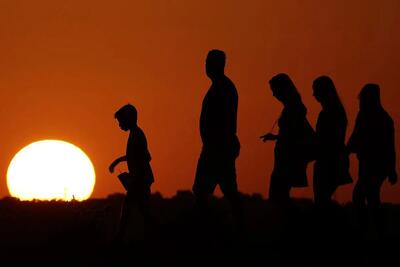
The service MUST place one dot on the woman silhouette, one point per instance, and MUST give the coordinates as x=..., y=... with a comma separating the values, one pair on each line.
x=373, y=142
x=331, y=168
x=290, y=161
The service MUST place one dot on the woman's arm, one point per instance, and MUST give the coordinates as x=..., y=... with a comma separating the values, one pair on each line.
x=269, y=137
x=392, y=154
x=352, y=144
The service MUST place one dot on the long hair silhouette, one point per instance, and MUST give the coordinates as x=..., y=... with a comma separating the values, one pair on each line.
x=290, y=160
x=331, y=168
x=373, y=142
x=285, y=90
x=325, y=87
x=370, y=98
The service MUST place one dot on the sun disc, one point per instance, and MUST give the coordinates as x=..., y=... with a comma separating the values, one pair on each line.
x=51, y=169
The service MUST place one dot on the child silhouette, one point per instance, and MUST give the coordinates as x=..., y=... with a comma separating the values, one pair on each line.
x=137, y=181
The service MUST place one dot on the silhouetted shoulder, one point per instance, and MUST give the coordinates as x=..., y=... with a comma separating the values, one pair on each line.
x=139, y=134
x=388, y=119
x=231, y=86
x=296, y=112
x=137, y=145
x=302, y=110
x=229, y=82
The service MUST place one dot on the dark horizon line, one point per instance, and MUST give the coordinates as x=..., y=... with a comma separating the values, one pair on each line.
x=178, y=194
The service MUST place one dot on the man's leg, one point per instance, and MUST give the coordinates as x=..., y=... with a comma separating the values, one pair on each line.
x=204, y=183
x=229, y=188
x=375, y=205
x=236, y=203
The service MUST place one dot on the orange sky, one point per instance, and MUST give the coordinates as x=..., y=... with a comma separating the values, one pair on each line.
x=66, y=66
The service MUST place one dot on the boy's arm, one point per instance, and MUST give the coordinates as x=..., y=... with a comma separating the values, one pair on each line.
x=116, y=162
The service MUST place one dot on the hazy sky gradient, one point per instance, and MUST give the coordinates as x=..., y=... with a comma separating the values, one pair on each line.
x=67, y=66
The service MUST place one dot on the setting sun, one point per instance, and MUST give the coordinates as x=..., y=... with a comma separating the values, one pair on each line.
x=51, y=169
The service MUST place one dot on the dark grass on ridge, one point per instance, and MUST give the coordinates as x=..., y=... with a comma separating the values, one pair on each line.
x=54, y=232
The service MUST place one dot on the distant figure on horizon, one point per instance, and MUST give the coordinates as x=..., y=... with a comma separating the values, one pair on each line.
x=373, y=142
x=140, y=177
x=218, y=125
x=331, y=168
x=293, y=141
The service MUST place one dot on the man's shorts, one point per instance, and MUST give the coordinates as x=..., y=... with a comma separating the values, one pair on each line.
x=215, y=170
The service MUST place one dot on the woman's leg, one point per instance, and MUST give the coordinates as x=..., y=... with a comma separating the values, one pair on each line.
x=279, y=190
x=360, y=208
x=375, y=205
x=323, y=195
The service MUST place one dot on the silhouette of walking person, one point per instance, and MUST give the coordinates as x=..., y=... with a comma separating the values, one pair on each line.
x=138, y=180
x=373, y=142
x=331, y=168
x=218, y=125
x=291, y=153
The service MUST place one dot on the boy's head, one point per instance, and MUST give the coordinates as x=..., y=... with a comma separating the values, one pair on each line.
x=127, y=117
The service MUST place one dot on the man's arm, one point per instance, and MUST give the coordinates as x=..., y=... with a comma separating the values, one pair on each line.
x=228, y=107
x=232, y=112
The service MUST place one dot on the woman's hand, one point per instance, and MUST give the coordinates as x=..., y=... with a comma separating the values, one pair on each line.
x=269, y=137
